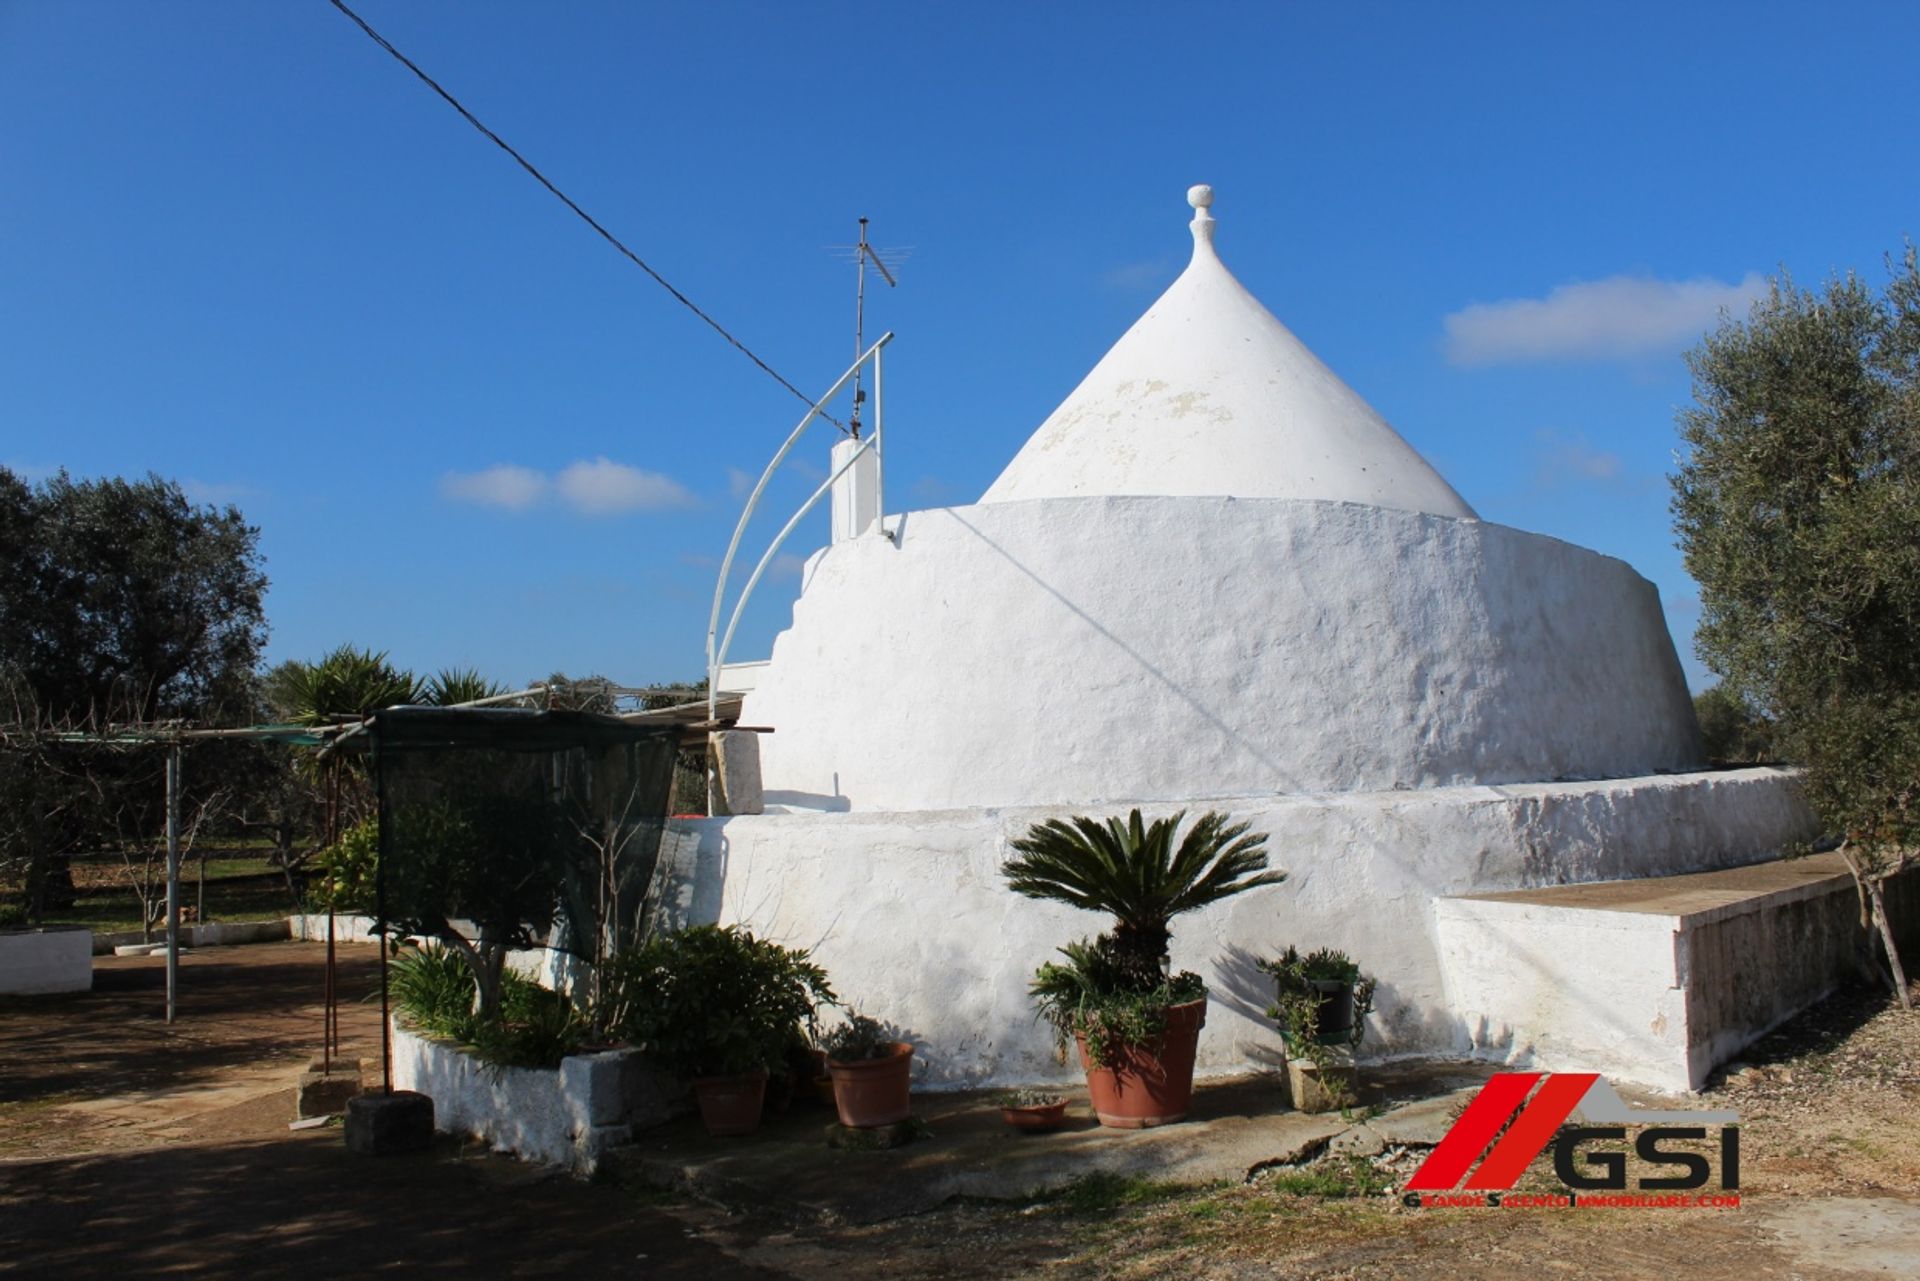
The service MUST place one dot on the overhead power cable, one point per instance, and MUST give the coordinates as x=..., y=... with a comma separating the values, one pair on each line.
x=570, y=203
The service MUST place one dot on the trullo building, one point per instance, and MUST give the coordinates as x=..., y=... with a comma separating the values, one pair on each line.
x=1214, y=577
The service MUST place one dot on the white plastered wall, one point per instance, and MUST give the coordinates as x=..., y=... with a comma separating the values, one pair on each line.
x=1078, y=651
x=910, y=917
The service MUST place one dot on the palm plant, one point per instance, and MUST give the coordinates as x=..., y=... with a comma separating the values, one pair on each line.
x=454, y=686
x=345, y=685
x=1134, y=871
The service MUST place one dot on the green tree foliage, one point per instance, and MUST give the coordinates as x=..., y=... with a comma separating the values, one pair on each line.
x=123, y=600
x=482, y=852
x=120, y=601
x=1797, y=505
x=1732, y=732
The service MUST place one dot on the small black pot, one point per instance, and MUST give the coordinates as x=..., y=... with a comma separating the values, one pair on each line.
x=1335, y=1019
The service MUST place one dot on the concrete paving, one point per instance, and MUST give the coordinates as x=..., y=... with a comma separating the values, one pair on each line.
x=1686, y=894
x=1239, y=1126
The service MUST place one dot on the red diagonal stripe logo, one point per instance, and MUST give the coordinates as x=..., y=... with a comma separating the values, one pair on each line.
x=1447, y=1164
x=1531, y=1129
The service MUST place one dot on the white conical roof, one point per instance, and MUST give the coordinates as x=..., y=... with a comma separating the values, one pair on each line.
x=1209, y=395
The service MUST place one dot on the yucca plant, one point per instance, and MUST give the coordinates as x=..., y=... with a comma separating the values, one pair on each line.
x=1136, y=872
x=453, y=686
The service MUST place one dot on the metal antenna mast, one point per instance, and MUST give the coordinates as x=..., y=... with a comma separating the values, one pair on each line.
x=863, y=253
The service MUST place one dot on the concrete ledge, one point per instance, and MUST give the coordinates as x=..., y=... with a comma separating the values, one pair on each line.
x=311, y=927
x=213, y=934
x=38, y=962
x=566, y=1116
x=1655, y=981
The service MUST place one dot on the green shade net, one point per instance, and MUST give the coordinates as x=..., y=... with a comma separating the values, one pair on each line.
x=537, y=827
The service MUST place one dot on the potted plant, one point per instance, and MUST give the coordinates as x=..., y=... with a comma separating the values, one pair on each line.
x=1137, y=1024
x=1321, y=1003
x=871, y=1070
x=1033, y=1111
x=718, y=1006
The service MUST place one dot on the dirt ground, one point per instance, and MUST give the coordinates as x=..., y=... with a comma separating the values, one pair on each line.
x=131, y=1149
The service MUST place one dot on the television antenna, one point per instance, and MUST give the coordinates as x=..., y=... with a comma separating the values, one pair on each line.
x=886, y=262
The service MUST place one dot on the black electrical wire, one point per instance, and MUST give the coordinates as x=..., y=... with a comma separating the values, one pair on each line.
x=583, y=215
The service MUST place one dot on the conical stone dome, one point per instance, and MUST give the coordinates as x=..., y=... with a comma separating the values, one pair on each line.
x=1208, y=395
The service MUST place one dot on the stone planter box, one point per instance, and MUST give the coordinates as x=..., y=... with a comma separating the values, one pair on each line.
x=35, y=962
x=566, y=1116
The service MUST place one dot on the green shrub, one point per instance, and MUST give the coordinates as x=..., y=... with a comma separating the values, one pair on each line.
x=434, y=989
x=1091, y=995
x=533, y=1027
x=709, y=1001
x=344, y=872
x=859, y=1039
x=12, y=915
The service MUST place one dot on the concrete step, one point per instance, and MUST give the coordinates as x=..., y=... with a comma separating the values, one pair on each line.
x=1659, y=980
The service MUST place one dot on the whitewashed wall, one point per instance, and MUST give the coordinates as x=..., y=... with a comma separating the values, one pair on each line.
x=1083, y=650
x=910, y=916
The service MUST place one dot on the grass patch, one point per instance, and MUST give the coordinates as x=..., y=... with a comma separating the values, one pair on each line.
x=1099, y=1193
x=239, y=888
x=1349, y=1176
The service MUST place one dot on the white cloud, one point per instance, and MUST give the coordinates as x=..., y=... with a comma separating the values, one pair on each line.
x=739, y=483
x=214, y=494
x=1618, y=318
x=599, y=487
x=504, y=485
x=786, y=565
x=1134, y=277
x=1564, y=456
x=602, y=487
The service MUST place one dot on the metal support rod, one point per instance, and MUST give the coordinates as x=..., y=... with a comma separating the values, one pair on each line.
x=385, y=821
x=753, y=501
x=173, y=881
x=780, y=538
x=879, y=452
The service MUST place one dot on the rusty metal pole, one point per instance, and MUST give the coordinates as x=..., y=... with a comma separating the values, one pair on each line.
x=173, y=880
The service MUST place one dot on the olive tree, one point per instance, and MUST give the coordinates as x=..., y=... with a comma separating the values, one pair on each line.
x=1797, y=505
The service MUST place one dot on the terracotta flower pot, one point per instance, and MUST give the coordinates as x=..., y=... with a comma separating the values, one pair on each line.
x=1037, y=1119
x=873, y=1092
x=1147, y=1085
x=731, y=1104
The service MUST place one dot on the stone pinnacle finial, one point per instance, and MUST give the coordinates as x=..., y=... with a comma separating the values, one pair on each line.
x=1201, y=198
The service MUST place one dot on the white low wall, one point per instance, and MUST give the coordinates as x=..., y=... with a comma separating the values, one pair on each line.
x=1666, y=983
x=35, y=962
x=913, y=921
x=212, y=934
x=311, y=927
x=567, y=1116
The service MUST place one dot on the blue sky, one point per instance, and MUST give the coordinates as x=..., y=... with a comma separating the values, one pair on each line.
x=242, y=247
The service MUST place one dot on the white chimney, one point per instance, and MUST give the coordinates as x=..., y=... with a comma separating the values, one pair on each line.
x=856, y=495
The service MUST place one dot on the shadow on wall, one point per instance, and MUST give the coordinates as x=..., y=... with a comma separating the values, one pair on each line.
x=1282, y=780
x=689, y=878
x=1244, y=988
